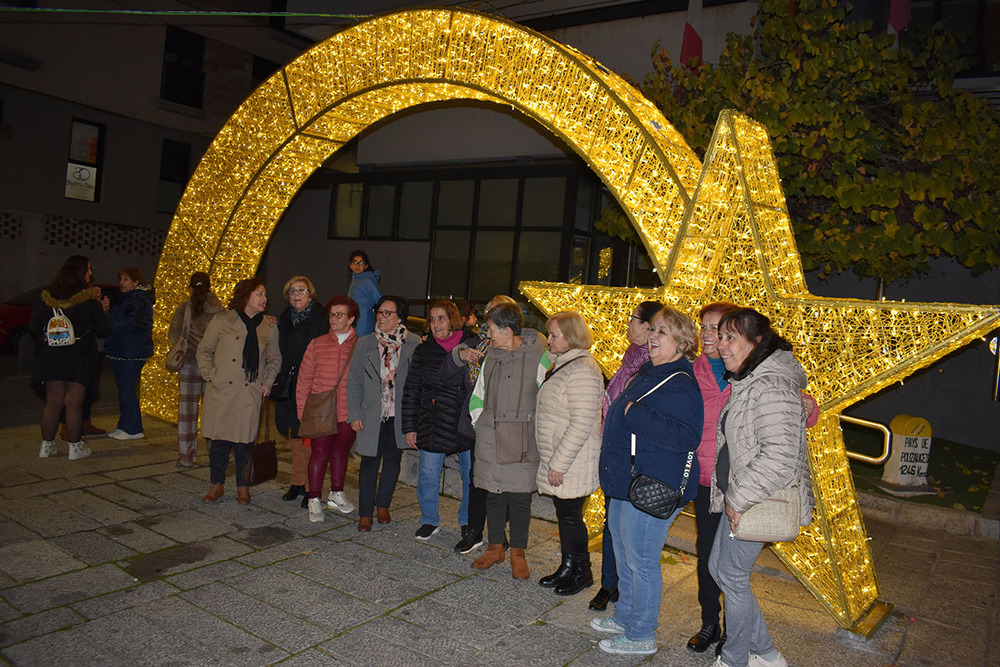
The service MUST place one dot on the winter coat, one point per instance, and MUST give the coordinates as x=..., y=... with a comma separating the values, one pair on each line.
x=366, y=293
x=506, y=452
x=322, y=364
x=568, y=425
x=763, y=426
x=131, y=320
x=434, y=399
x=667, y=424
x=198, y=325
x=231, y=406
x=293, y=339
x=713, y=399
x=72, y=363
x=364, y=391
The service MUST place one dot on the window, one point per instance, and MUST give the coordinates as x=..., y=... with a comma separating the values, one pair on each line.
x=261, y=69
x=183, y=80
x=175, y=169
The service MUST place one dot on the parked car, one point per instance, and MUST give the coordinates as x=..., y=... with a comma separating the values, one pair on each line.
x=14, y=317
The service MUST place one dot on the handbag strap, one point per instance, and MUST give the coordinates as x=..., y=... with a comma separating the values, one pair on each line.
x=346, y=364
x=555, y=369
x=186, y=326
x=690, y=456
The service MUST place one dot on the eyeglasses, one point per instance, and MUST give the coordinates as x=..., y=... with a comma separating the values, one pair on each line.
x=358, y=262
x=298, y=290
x=634, y=317
x=337, y=316
x=385, y=313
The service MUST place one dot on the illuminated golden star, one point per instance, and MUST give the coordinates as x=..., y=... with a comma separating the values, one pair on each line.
x=735, y=243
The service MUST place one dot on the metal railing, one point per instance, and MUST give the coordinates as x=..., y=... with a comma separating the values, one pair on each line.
x=886, y=446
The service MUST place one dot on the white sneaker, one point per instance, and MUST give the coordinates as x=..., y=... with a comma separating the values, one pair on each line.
x=758, y=661
x=77, y=450
x=47, y=449
x=718, y=662
x=315, y=510
x=119, y=434
x=338, y=501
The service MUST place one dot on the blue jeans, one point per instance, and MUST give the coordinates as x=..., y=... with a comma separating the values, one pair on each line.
x=638, y=540
x=746, y=632
x=429, y=486
x=127, y=372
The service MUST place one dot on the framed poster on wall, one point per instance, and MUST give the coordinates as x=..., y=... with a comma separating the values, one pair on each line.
x=86, y=148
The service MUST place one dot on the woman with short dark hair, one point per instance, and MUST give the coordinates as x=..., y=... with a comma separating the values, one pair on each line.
x=66, y=365
x=191, y=319
x=435, y=399
x=324, y=368
x=239, y=359
x=128, y=346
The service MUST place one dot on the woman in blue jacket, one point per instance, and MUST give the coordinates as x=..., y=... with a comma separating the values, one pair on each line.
x=364, y=290
x=128, y=346
x=662, y=409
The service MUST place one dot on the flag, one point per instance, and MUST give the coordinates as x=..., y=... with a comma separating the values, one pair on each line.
x=899, y=14
x=691, y=46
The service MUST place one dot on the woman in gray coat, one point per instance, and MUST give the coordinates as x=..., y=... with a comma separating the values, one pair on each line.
x=761, y=449
x=506, y=453
x=375, y=383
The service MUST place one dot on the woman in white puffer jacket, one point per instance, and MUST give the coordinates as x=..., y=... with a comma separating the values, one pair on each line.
x=568, y=433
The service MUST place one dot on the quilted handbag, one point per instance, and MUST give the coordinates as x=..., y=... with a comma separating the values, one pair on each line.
x=650, y=495
x=774, y=519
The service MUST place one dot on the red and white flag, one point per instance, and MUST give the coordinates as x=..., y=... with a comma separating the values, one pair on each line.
x=691, y=46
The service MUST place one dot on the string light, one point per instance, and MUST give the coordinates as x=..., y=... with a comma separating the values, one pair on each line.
x=730, y=240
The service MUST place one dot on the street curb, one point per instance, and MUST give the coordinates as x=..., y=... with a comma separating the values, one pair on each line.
x=919, y=515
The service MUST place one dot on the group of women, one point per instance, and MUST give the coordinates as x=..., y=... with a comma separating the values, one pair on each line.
x=521, y=412
x=71, y=315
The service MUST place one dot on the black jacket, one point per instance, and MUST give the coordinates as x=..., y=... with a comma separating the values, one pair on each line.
x=293, y=341
x=131, y=320
x=434, y=400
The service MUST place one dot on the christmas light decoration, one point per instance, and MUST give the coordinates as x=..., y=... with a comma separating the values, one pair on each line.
x=731, y=240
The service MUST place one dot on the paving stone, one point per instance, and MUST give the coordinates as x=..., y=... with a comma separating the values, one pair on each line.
x=280, y=552
x=263, y=537
x=182, y=558
x=163, y=493
x=467, y=625
x=92, y=548
x=438, y=556
x=312, y=658
x=17, y=476
x=207, y=574
x=507, y=602
x=449, y=649
x=269, y=623
x=119, y=600
x=228, y=644
x=45, y=517
x=239, y=516
x=186, y=526
x=12, y=532
x=38, y=559
x=305, y=598
x=135, y=639
x=42, y=488
x=37, y=624
x=136, y=502
x=7, y=612
x=68, y=647
x=360, y=647
x=536, y=643
x=67, y=588
x=150, y=470
x=137, y=537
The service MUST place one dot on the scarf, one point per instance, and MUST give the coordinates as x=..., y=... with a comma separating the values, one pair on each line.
x=300, y=316
x=635, y=357
x=451, y=341
x=251, y=348
x=476, y=367
x=390, y=343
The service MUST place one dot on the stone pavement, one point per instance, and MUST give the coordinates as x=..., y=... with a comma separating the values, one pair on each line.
x=114, y=560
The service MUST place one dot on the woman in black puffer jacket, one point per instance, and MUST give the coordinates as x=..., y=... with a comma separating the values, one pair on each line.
x=303, y=320
x=435, y=401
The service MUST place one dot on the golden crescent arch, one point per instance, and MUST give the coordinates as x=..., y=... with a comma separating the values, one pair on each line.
x=311, y=107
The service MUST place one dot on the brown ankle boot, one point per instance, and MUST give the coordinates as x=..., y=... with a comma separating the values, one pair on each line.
x=214, y=493
x=490, y=557
x=383, y=515
x=364, y=524
x=243, y=495
x=518, y=566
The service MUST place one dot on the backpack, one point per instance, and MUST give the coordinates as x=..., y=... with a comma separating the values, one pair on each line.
x=59, y=330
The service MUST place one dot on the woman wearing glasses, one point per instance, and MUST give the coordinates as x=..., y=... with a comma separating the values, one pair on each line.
x=375, y=383
x=324, y=367
x=364, y=290
x=303, y=320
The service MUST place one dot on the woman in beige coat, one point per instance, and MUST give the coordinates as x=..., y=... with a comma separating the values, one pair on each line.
x=239, y=359
x=568, y=431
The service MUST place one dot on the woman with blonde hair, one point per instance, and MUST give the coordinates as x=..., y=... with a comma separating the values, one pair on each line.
x=568, y=433
x=302, y=321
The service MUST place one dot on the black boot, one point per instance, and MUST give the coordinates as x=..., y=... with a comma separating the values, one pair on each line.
x=722, y=641
x=294, y=492
x=580, y=576
x=603, y=597
x=559, y=575
x=708, y=635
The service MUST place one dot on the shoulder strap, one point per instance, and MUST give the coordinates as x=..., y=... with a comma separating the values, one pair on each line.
x=690, y=456
x=555, y=369
x=346, y=364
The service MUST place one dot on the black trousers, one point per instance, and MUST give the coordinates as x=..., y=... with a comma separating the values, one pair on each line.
x=376, y=490
x=609, y=566
x=218, y=459
x=477, y=500
x=572, y=530
x=516, y=507
x=707, y=524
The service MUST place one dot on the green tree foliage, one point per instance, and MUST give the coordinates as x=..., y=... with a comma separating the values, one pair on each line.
x=883, y=161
